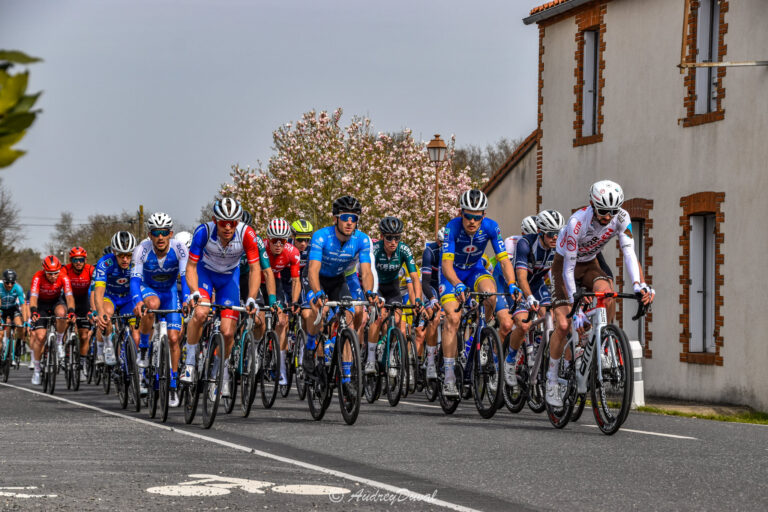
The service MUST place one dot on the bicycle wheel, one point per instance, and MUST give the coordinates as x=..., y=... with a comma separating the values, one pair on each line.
x=318, y=390
x=578, y=408
x=88, y=363
x=153, y=382
x=285, y=389
x=164, y=378
x=106, y=378
x=213, y=373
x=248, y=382
x=487, y=381
x=132, y=376
x=537, y=393
x=270, y=370
x=449, y=404
x=371, y=383
x=515, y=400
x=560, y=416
x=76, y=361
x=394, y=365
x=350, y=389
x=411, y=367
x=44, y=369
x=612, y=394
x=228, y=402
x=301, y=342
x=6, y=362
x=52, y=368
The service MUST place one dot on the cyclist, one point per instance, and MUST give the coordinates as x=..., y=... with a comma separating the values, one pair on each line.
x=80, y=275
x=213, y=267
x=585, y=233
x=268, y=285
x=332, y=249
x=50, y=294
x=465, y=240
x=284, y=259
x=302, y=235
x=430, y=283
x=112, y=289
x=533, y=259
x=12, y=308
x=390, y=254
x=157, y=263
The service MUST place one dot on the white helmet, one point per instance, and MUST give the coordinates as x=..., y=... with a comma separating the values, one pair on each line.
x=279, y=228
x=528, y=227
x=123, y=242
x=549, y=221
x=227, y=209
x=441, y=235
x=184, y=237
x=159, y=220
x=606, y=194
x=473, y=200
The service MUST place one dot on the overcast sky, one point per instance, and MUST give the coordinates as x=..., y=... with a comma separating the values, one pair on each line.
x=151, y=102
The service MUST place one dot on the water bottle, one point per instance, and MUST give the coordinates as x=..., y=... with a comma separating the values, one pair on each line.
x=329, y=349
x=529, y=353
x=468, y=345
x=109, y=353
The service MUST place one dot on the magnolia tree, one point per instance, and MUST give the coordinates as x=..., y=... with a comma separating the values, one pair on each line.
x=318, y=160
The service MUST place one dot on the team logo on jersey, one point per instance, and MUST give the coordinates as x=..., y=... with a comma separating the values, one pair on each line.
x=122, y=280
x=571, y=243
x=441, y=289
x=160, y=278
x=470, y=249
x=108, y=263
x=577, y=228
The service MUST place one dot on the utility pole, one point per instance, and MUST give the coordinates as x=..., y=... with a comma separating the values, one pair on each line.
x=141, y=222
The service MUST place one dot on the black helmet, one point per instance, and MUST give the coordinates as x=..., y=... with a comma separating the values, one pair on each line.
x=390, y=226
x=247, y=218
x=347, y=204
x=9, y=276
x=107, y=250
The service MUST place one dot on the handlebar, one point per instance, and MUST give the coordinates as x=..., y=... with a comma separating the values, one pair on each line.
x=581, y=294
x=239, y=309
x=483, y=295
x=342, y=303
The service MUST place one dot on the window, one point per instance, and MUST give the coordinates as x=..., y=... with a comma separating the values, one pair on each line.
x=707, y=38
x=702, y=291
x=589, y=92
x=635, y=329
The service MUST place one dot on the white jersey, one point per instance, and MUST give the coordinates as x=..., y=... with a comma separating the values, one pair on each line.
x=511, y=244
x=354, y=266
x=583, y=237
x=207, y=249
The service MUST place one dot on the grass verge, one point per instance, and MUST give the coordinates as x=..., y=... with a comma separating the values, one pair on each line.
x=760, y=418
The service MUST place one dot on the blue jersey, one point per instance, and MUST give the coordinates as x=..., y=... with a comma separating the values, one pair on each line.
x=465, y=250
x=334, y=255
x=159, y=274
x=430, y=265
x=109, y=275
x=534, y=258
x=11, y=298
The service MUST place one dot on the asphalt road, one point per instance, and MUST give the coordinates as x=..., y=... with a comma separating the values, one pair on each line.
x=85, y=453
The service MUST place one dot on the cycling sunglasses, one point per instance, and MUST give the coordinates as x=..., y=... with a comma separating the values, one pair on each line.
x=226, y=223
x=550, y=234
x=52, y=274
x=297, y=240
x=160, y=232
x=606, y=211
x=278, y=241
x=348, y=217
x=474, y=217
x=392, y=238
x=78, y=260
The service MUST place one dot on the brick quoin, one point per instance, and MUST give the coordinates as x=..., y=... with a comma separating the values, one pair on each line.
x=539, y=149
x=689, y=101
x=700, y=203
x=590, y=17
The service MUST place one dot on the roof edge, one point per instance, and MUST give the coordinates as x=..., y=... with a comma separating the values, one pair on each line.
x=554, y=11
x=517, y=155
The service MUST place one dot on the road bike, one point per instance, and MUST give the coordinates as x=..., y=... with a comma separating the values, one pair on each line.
x=160, y=369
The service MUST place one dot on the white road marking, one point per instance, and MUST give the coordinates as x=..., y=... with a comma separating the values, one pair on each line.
x=310, y=490
x=420, y=405
x=649, y=433
x=414, y=496
x=188, y=490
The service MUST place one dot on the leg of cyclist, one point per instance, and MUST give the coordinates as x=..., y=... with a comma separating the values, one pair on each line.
x=36, y=340
x=281, y=329
x=151, y=301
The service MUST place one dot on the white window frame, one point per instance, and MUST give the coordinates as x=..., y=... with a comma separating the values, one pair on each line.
x=707, y=50
x=701, y=254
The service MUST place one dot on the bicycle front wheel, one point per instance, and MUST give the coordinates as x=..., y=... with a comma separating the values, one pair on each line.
x=164, y=378
x=52, y=367
x=132, y=377
x=487, y=382
x=248, y=382
x=560, y=416
x=611, y=391
x=394, y=365
x=411, y=367
x=351, y=377
x=301, y=342
x=270, y=369
x=213, y=373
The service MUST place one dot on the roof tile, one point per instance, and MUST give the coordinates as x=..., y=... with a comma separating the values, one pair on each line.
x=547, y=5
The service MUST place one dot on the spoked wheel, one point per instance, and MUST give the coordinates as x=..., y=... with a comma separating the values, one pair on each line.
x=318, y=389
x=228, y=402
x=560, y=416
x=372, y=382
x=487, y=381
x=67, y=364
x=6, y=362
x=611, y=396
x=430, y=389
x=270, y=369
x=394, y=367
x=537, y=392
x=581, y=400
x=449, y=404
x=285, y=389
x=515, y=400
x=132, y=378
x=298, y=350
x=153, y=383
x=44, y=369
x=248, y=382
x=76, y=366
x=213, y=374
x=164, y=378
x=351, y=375
x=106, y=377
x=411, y=367
x=52, y=367
x=88, y=363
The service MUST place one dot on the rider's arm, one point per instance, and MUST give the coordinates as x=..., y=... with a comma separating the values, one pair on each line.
x=366, y=276
x=137, y=272
x=522, y=266
x=191, y=275
x=181, y=251
x=34, y=289
x=253, y=247
x=68, y=297
x=500, y=248
x=295, y=269
x=426, y=273
x=449, y=253
x=410, y=266
x=627, y=244
x=313, y=274
x=569, y=245
x=98, y=298
x=199, y=240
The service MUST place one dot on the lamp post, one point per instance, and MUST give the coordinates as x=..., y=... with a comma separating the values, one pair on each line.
x=437, y=150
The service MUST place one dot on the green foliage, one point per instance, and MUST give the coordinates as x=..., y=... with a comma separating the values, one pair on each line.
x=16, y=114
x=93, y=235
x=743, y=417
x=25, y=262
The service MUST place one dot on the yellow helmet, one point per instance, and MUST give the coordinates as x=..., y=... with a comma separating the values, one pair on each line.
x=301, y=228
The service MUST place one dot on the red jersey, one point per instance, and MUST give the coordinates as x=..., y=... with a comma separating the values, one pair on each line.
x=80, y=282
x=290, y=257
x=47, y=291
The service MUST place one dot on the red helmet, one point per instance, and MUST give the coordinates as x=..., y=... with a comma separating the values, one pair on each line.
x=78, y=252
x=51, y=264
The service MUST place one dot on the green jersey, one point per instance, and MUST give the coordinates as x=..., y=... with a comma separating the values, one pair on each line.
x=387, y=268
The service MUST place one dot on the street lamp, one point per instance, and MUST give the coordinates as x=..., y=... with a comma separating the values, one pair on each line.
x=437, y=150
